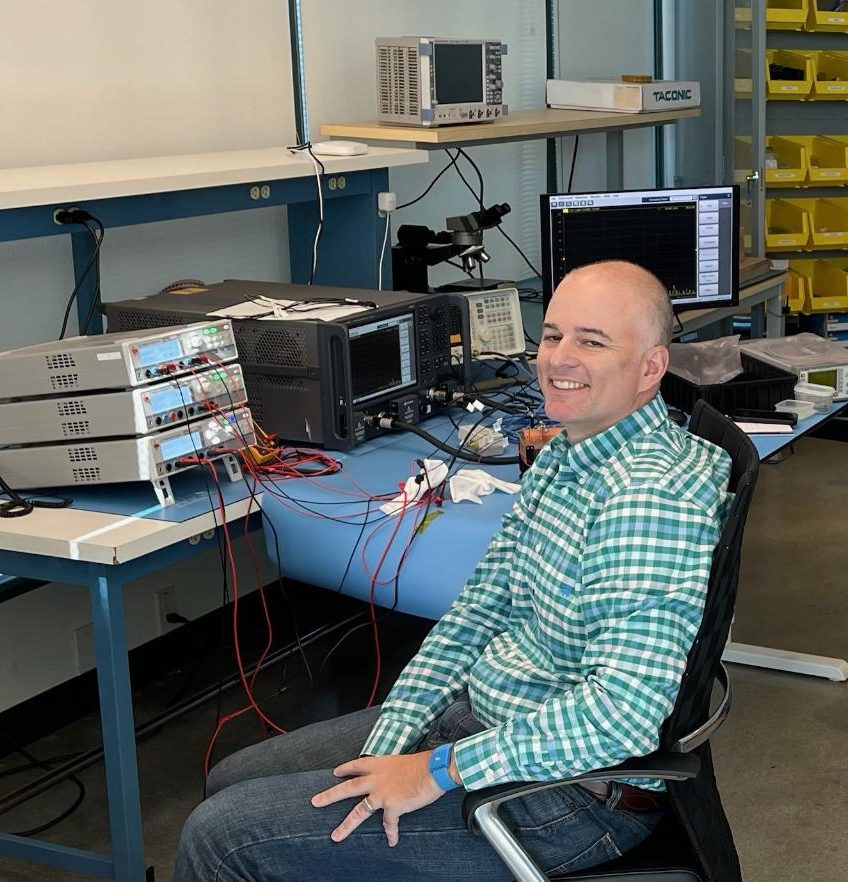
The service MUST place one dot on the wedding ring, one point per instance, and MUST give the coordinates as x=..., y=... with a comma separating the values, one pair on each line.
x=368, y=805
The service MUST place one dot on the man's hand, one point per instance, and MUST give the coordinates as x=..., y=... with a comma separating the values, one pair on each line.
x=394, y=784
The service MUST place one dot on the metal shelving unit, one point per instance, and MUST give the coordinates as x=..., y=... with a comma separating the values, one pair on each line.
x=759, y=29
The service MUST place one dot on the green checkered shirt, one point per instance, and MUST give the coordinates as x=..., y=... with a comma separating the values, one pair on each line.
x=572, y=633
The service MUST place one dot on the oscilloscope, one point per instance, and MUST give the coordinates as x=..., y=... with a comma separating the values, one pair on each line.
x=688, y=237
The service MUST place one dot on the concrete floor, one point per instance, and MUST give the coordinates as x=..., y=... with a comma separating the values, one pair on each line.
x=781, y=758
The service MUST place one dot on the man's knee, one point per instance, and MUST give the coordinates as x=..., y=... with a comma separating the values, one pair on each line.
x=222, y=775
x=198, y=851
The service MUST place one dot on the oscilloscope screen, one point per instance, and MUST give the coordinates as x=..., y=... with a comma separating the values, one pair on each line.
x=382, y=357
x=687, y=238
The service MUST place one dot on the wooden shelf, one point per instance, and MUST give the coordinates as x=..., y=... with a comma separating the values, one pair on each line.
x=520, y=125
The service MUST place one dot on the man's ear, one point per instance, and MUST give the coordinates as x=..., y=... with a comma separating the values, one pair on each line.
x=655, y=365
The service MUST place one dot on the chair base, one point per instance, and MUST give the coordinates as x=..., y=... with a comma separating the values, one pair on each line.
x=835, y=669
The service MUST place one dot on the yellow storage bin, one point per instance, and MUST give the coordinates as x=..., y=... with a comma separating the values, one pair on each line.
x=786, y=15
x=840, y=139
x=780, y=88
x=828, y=220
x=787, y=225
x=831, y=76
x=795, y=288
x=791, y=159
x=823, y=19
x=827, y=159
x=825, y=284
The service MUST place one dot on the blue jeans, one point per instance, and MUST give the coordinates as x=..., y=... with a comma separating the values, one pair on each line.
x=258, y=825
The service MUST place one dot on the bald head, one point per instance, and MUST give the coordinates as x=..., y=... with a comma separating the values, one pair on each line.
x=602, y=354
x=633, y=282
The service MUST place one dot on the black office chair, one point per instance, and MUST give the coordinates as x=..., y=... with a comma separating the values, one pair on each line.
x=693, y=843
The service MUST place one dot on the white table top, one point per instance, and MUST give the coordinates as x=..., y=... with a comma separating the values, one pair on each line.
x=44, y=185
x=99, y=537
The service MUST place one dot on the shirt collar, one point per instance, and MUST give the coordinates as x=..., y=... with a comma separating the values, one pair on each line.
x=588, y=454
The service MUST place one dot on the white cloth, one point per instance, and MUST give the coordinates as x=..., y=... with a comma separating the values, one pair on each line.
x=471, y=484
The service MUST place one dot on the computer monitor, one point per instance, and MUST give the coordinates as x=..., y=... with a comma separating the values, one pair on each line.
x=688, y=237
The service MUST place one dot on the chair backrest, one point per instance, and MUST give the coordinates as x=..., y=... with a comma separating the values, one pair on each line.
x=693, y=701
x=696, y=804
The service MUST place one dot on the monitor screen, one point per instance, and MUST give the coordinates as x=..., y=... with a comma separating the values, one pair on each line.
x=458, y=72
x=382, y=357
x=687, y=237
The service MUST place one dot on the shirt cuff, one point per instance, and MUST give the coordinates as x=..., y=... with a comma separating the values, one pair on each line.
x=390, y=736
x=482, y=760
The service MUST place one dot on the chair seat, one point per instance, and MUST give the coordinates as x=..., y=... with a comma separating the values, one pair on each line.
x=665, y=856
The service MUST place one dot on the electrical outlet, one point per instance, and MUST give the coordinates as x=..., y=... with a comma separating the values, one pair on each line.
x=166, y=603
x=84, y=638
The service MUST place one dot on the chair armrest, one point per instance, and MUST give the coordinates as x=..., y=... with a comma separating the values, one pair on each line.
x=660, y=764
x=717, y=717
x=480, y=807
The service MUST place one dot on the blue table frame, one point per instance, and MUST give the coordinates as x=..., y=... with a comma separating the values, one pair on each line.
x=105, y=583
x=347, y=258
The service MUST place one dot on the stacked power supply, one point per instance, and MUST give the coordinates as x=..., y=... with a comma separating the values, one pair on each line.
x=137, y=406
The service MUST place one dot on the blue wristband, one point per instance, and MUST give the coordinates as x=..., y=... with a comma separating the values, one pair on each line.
x=438, y=765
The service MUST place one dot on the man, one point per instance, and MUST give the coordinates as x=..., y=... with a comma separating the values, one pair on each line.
x=563, y=653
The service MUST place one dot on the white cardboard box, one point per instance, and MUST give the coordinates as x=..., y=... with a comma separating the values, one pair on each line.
x=623, y=97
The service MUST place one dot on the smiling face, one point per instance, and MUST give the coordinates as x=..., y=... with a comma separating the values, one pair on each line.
x=599, y=358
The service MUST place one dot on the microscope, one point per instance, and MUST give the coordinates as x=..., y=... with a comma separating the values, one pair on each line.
x=418, y=248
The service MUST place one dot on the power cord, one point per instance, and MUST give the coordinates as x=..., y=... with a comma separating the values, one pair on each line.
x=313, y=303
x=319, y=174
x=83, y=218
x=479, y=198
x=16, y=506
x=451, y=164
x=382, y=255
x=397, y=425
x=573, y=161
x=34, y=763
x=278, y=558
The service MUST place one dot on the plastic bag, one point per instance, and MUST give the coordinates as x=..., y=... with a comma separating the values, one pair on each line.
x=706, y=363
